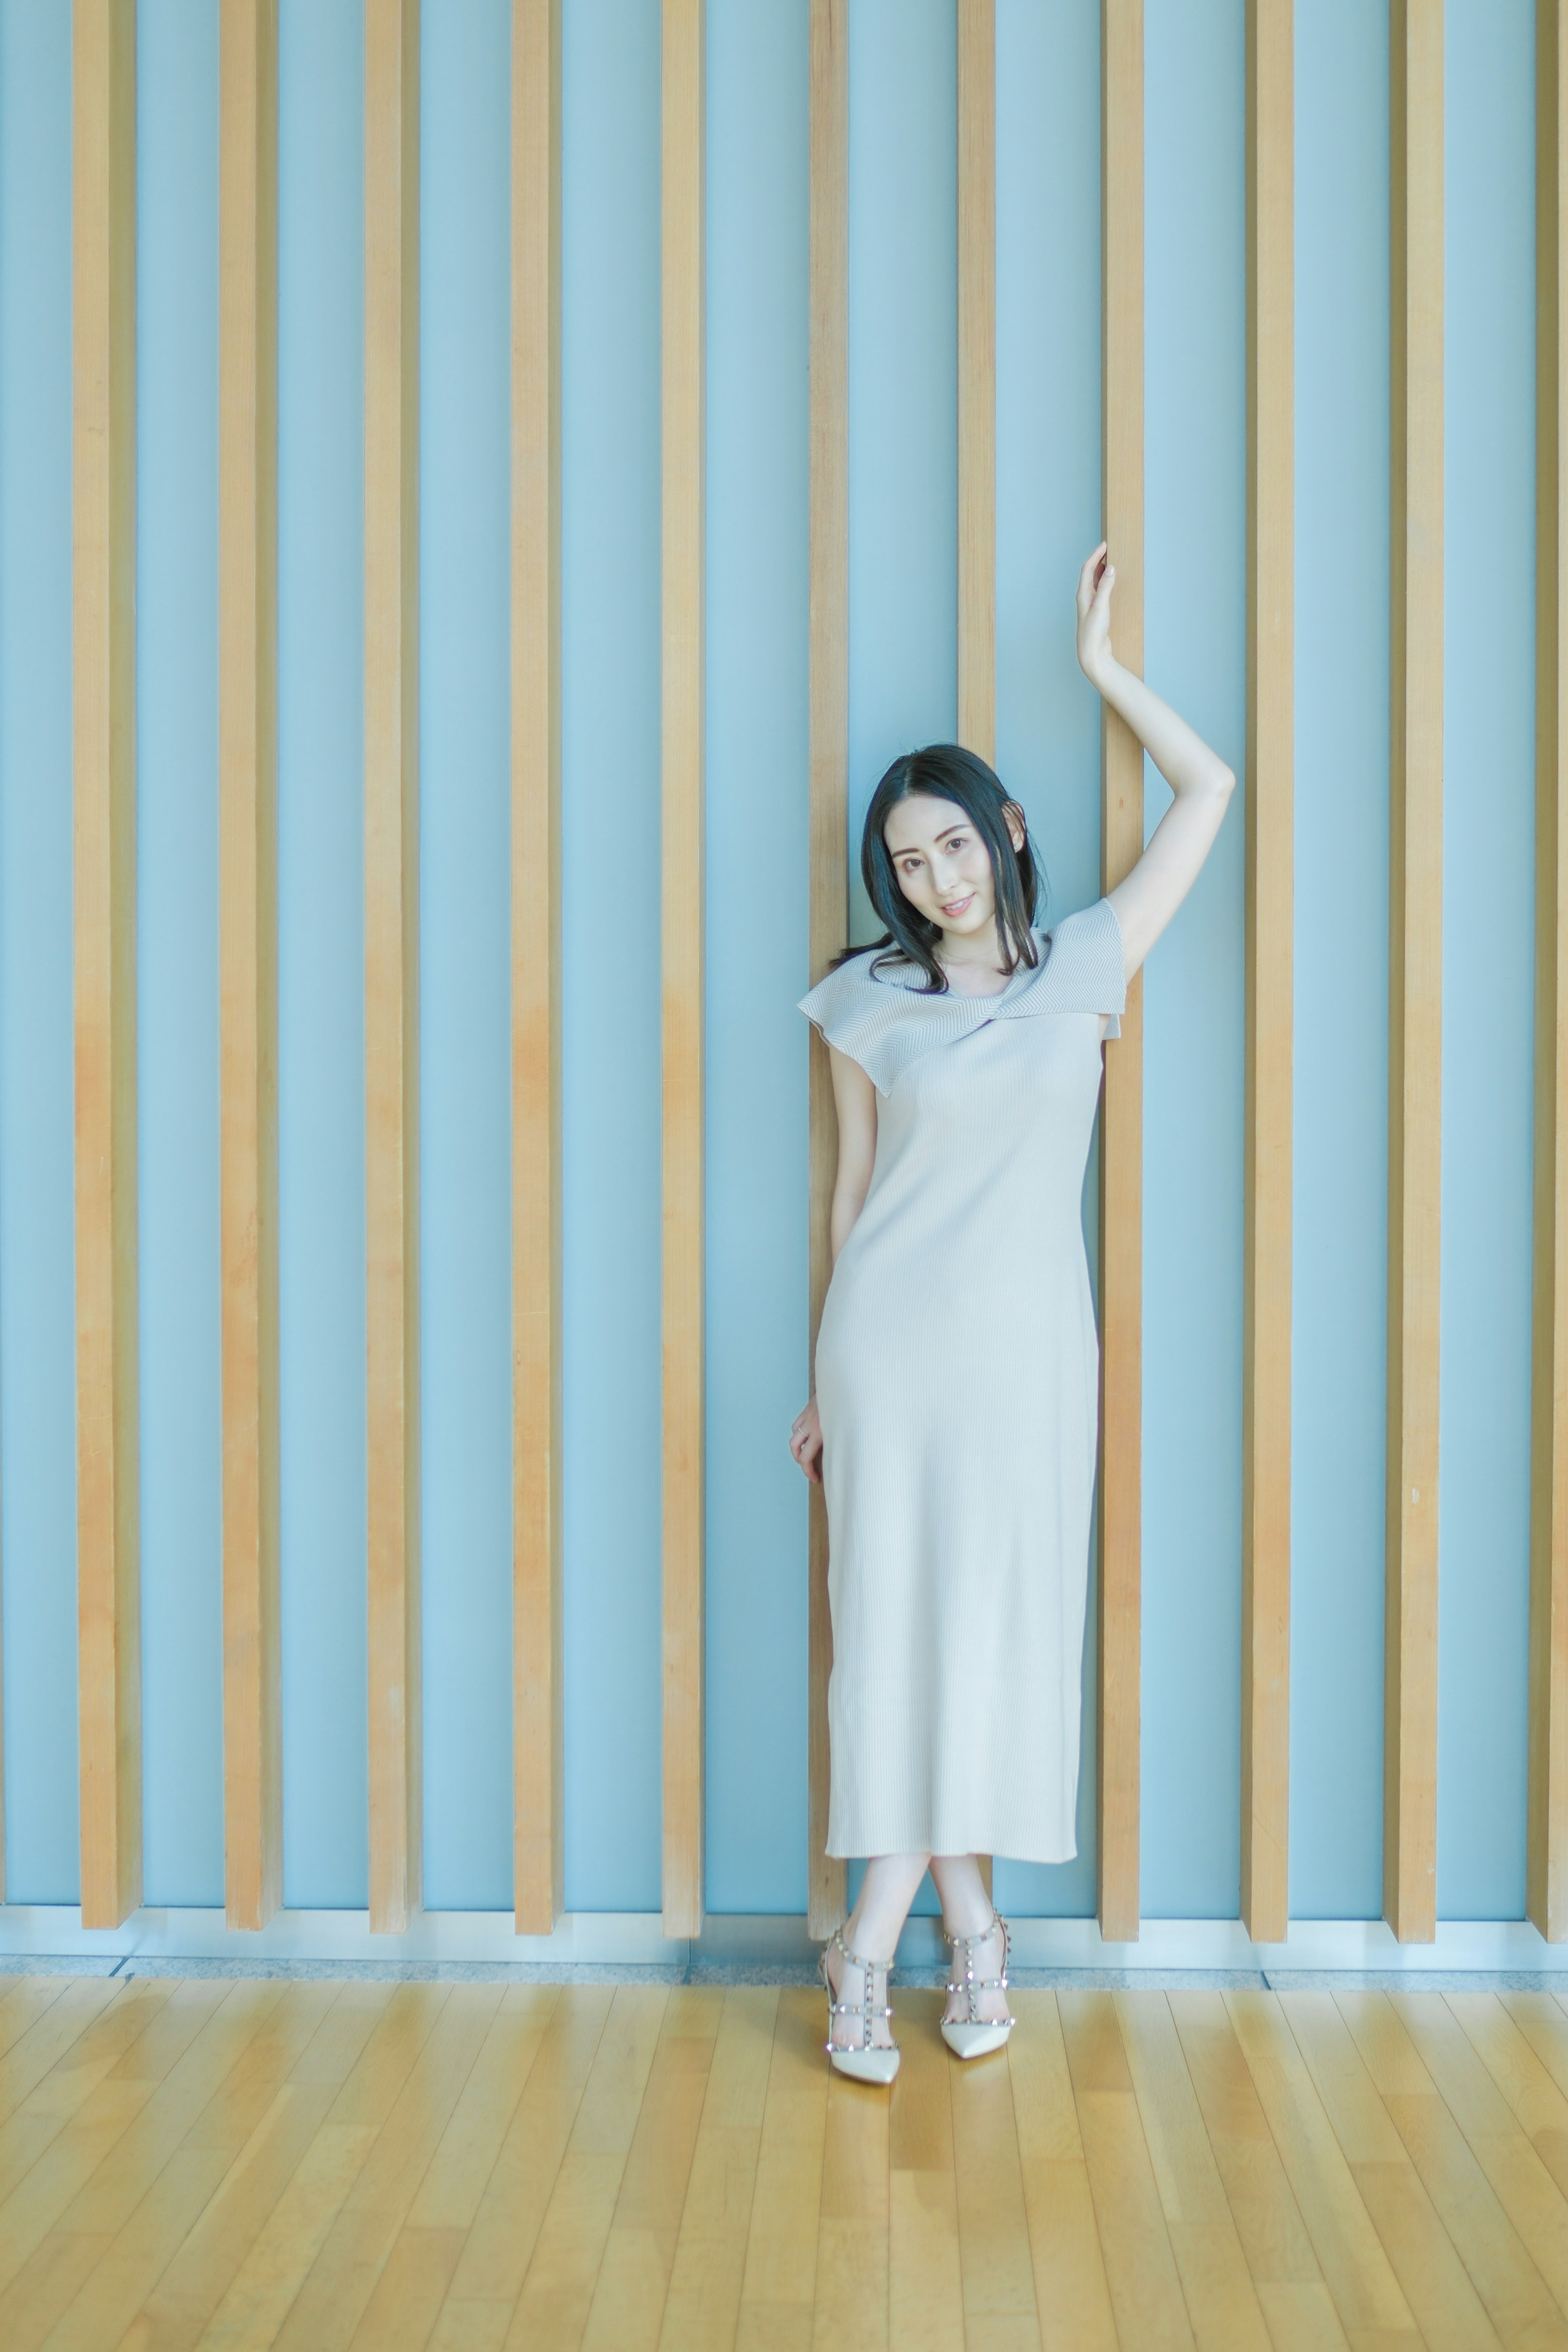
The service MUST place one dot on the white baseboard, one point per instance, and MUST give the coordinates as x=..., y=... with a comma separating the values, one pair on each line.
x=623, y=1938
x=1363, y=1946
x=635, y=1940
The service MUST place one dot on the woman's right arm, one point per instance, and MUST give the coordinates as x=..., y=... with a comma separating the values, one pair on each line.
x=854, y=1099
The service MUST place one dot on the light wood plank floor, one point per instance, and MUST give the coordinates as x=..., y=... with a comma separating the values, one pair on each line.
x=468, y=2168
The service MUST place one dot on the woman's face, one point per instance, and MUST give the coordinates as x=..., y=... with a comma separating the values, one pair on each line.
x=943, y=865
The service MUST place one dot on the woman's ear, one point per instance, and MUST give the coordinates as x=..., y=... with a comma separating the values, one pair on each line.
x=1016, y=828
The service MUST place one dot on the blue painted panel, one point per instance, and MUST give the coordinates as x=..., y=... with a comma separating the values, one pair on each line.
x=757, y=951
x=903, y=404
x=464, y=954
x=903, y=560
x=1048, y=518
x=177, y=949
x=1195, y=621
x=1489, y=826
x=320, y=917
x=37, y=1309
x=609, y=949
x=1341, y=1253
x=904, y=394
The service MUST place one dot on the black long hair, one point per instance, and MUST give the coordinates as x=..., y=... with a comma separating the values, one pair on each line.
x=946, y=772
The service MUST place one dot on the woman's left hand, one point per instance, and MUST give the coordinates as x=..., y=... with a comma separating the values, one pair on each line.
x=806, y=1442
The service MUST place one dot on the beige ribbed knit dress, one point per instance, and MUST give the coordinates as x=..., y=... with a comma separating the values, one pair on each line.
x=957, y=1384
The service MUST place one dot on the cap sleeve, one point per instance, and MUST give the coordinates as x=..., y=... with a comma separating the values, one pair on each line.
x=1086, y=971
x=884, y=1026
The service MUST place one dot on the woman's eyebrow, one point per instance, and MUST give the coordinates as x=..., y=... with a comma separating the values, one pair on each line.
x=962, y=826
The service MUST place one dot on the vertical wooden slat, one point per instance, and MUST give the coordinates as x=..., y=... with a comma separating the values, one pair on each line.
x=247, y=798
x=1415, y=975
x=1547, y=1836
x=103, y=651
x=978, y=377
x=539, y=1852
x=1121, y=1111
x=682, y=382
x=829, y=788
x=392, y=948
x=1270, y=744
x=977, y=110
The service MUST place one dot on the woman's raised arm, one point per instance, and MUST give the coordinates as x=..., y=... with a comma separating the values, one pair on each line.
x=1149, y=896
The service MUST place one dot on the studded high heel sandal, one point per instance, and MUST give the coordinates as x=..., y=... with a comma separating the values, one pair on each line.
x=975, y=2036
x=866, y=2064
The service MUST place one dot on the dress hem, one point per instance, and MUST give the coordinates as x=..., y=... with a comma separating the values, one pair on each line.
x=924, y=1845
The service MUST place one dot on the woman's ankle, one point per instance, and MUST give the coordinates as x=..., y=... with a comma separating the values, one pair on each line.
x=869, y=1951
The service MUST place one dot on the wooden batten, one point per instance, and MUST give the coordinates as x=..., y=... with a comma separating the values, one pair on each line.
x=392, y=951
x=829, y=729
x=1546, y=1891
x=976, y=104
x=681, y=772
x=978, y=376
x=538, y=1844
x=248, y=806
x=103, y=654
x=1271, y=899
x=1416, y=966
x=1121, y=1107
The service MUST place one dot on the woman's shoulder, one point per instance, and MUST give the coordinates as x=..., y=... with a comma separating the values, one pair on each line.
x=875, y=1008
x=862, y=980
x=1082, y=966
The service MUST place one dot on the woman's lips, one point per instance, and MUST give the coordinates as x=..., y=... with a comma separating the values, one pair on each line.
x=959, y=906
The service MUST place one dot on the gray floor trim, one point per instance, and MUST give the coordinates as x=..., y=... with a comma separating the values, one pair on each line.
x=1418, y=1980
x=701, y=1971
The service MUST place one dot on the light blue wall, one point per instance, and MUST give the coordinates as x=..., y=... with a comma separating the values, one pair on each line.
x=609, y=886
x=465, y=952
x=37, y=1297
x=1194, y=652
x=1488, y=824
x=757, y=949
x=903, y=496
x=321, y=920
x=177, y=948
x=1048, y=518
x=1342, y=960
x=904, y=394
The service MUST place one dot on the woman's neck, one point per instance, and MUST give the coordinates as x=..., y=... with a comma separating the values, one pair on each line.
x=973, y=965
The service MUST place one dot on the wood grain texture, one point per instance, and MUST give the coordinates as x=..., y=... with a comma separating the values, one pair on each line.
x=251, y=2165
x=392, y=950
x=1121, y=1110
x=828, y=817
x=1547, y=1835
x=978, y=377
x=538, y=1842
x=247, y=933
x=976, y=105
x=1271, y=902
x=1416, y=969
x=103, y=670
x=682, y=411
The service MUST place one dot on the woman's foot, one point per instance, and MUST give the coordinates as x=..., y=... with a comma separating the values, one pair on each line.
x=977, y=2019
x=860, y=2032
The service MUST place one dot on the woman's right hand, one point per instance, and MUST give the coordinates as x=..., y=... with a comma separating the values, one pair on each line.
x=806, y=1442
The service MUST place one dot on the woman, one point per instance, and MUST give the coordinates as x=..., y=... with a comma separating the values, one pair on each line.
x=953, y=1422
